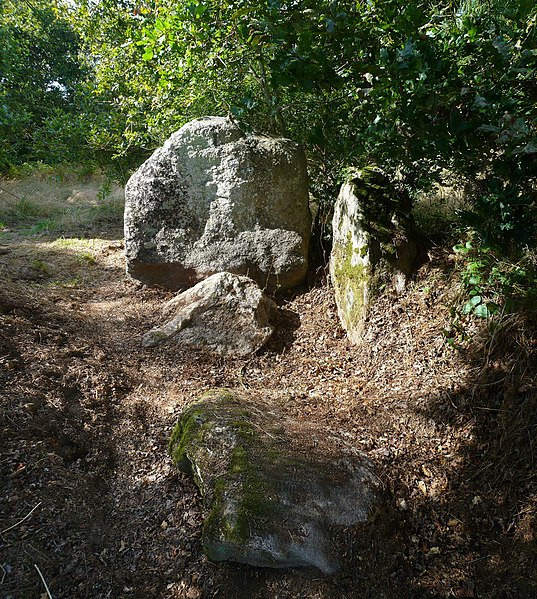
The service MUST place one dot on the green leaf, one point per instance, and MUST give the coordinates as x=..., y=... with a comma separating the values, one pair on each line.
x=471, y=304
x=482, y=311
x=242, y=11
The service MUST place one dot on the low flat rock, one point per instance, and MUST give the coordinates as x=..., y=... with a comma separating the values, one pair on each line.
x=227, y=314
x=273, y=497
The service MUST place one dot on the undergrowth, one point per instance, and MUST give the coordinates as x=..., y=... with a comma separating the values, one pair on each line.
x=496, y=279
x=494, y=282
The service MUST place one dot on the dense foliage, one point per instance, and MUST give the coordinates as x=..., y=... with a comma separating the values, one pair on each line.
x=418, y=88
x=39, y=74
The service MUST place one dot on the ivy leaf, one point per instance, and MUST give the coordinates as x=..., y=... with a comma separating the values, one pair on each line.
x=471, y=304
x=482, y=311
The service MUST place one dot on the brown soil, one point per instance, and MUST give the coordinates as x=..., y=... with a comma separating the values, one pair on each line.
x=89, y=494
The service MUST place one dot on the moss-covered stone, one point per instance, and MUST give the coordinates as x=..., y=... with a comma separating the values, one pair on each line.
x=266, y=504
x=216, y=436
x=254, y=510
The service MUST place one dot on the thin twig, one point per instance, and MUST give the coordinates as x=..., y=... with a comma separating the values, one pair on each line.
x=267, y=433
x=10, y=193
x=21, y=521
x=43, y=580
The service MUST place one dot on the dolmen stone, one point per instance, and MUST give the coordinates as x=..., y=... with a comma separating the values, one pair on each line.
x=215, y=199
x=373, y=246
x=226, y=314
x=273, y=497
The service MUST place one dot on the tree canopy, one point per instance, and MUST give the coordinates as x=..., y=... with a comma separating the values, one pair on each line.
x=414, y=88
x=39, y=74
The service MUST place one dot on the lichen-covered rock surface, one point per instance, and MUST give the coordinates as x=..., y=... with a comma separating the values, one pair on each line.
x=373, y=245
x=350, y=263
x=226, y=314
x=273, y=496
x=215, y=199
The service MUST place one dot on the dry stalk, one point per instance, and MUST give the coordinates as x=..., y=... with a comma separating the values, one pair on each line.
x=22, y=520
x=43, y=581
x=11, y=193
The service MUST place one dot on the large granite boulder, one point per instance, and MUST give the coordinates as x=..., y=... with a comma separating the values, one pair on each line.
x=214, y=199
x=274, y=496
x=227, y=314
x=373, y=246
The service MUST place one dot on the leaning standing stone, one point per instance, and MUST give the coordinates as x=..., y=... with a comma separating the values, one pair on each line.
x=373, y=246
x=215, y=199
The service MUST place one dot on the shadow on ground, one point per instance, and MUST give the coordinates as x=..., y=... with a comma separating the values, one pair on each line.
x=85, y=413
x=491, y=497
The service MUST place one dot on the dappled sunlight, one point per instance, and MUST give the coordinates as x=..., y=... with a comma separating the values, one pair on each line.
x=65, y=261
x=402, y=331
x=85, y=388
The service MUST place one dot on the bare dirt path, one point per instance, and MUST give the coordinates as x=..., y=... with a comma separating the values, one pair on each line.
x=90, y=496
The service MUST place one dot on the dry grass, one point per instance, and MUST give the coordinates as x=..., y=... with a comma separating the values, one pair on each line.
x=54, y=204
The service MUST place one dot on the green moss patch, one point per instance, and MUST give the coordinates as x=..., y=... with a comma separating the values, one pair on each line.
x=216, y=442
x=350, y=280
